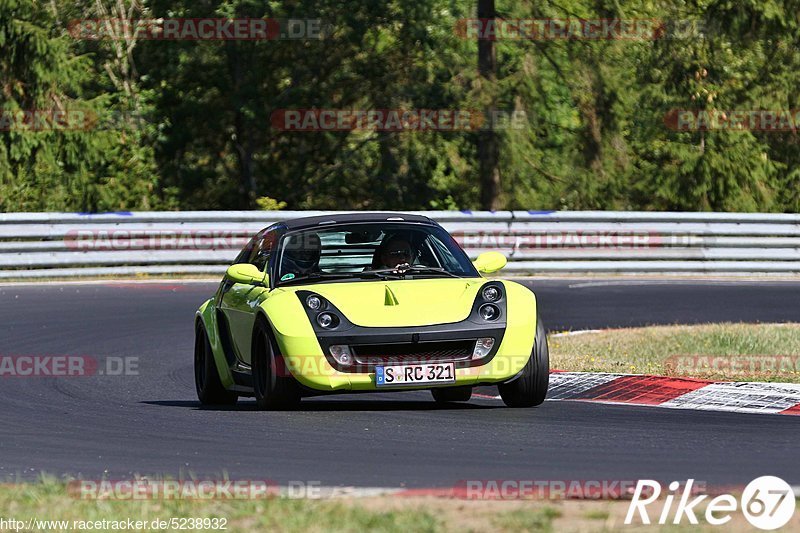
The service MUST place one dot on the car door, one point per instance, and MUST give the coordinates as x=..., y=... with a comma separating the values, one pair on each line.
x=240, y=301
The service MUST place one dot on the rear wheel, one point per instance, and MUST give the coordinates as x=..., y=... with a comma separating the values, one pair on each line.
x=271, y=389
x=210, y=390
x=452, y=394
x=530, y=388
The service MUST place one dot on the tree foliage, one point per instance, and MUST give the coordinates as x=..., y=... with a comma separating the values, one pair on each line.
x=186, y=124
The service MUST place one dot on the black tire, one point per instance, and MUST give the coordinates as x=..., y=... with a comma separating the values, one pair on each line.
x=271, y=390
x=530, y=388
x=210, y=390
x=452, y=394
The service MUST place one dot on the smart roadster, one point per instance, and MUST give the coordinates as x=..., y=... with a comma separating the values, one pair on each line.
x=366, y=302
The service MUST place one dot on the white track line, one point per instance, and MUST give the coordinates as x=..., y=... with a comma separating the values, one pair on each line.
x=572, y=333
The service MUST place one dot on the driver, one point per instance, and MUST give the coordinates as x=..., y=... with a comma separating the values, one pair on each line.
x=301, y=255
x=392, y=252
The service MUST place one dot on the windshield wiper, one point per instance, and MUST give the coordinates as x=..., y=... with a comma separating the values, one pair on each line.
x=382, y=273
x=430, y=270
x=399, y=272
x=404, y=269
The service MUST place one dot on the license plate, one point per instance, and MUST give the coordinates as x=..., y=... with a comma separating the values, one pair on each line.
x=387, y=376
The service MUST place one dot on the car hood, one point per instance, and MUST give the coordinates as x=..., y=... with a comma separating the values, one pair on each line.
x=400, y=303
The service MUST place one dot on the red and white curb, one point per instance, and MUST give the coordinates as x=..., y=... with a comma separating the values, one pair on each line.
x=675, y=393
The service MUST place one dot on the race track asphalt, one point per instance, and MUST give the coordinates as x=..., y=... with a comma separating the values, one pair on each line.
x=151, y=423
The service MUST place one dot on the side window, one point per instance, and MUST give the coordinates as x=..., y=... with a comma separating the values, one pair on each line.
x=264, y=245
x=247, y=251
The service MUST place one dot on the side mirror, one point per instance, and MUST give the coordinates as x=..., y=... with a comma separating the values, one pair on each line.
x=246, y=273
x=489, y=262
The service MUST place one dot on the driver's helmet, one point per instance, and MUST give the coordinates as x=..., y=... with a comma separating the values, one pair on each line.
x=302, y=252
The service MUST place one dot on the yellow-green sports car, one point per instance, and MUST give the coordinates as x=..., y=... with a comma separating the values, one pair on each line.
x=366, y=302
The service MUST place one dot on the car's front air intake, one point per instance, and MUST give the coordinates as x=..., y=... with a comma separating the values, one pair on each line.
x=456, y=350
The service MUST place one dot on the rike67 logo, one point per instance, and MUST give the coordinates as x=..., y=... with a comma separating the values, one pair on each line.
x=767, y=502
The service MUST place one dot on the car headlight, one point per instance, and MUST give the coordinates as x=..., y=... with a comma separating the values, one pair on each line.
x=491, y=294
x=314, y=302
x=327, y=320
x=489, y=312
x=482, y=347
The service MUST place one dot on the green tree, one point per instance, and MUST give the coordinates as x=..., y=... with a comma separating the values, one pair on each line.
x=98, y=162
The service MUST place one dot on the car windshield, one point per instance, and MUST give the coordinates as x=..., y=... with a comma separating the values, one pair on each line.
x=371, y=251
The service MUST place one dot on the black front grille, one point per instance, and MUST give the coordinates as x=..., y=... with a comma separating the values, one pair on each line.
x=439, y=351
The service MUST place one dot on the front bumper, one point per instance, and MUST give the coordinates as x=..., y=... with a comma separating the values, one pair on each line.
x=371, y=347
x=308, y=358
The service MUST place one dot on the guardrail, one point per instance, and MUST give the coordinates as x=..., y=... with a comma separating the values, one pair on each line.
x=203, y=242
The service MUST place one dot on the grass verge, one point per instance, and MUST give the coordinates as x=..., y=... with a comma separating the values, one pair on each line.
x=725, y=352
x=37, y=505
x=49, y=501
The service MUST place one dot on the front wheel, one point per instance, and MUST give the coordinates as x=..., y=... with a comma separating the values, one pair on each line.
x=530, y=388
x=271, y=389
x=210, y=390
